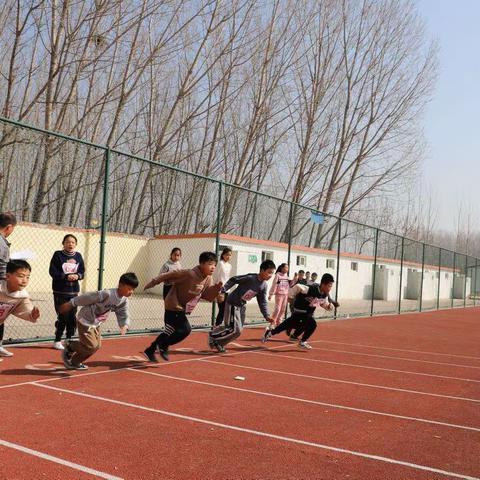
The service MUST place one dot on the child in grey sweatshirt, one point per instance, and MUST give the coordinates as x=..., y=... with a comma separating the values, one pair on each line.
x=249, y=286
x=95, y=309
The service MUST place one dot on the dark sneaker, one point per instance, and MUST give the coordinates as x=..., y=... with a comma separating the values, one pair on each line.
x=267, y=334
x=67, y=359
x=219, y=348
x=164, y=354
x=80, y=366
x=149, y=354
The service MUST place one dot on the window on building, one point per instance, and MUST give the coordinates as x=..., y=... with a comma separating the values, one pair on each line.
x=301, y=260
x=266, y=255
x=354, y=266
x=330, y=263
x=446, y=275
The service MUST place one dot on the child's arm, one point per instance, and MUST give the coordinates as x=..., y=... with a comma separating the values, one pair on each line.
x=26, y=311
x=55, y=269
x=83, y=300
x=333, y=302
x=171, y=277
x=211, y=292
x=234, y=281
x=273, y=288
x=263, y=304
x=123, y=317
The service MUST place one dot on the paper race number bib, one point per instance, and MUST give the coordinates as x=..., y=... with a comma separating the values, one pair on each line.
x=317, y=302
x=5, y=309
x=248, y=295
x=192, y=304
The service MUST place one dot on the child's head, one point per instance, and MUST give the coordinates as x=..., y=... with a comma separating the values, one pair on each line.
x=267, y=270
x=8, y=221
x=69, y=243
x=127, y=283
x=18, y=275
x=207, y=262
x=175, y=254
x=307, y=275
x=282, y=268
x=301, y=274
x=226, y=254
x=314, y=277
x=326, y=283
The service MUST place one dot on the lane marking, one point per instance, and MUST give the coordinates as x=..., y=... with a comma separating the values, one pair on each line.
x=313, y=402
x=397, y=349
x=393, y=358
x=264, y=434
x=382, y=387
x=60, y=461
x=279, y=355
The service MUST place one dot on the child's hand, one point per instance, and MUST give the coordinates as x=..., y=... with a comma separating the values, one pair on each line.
x=150, y=284
x=218, y=286
x=221, y=298
x=65, y=307
x=123, y=330
x=72, y=277
x=35, y=313
x=269, y=319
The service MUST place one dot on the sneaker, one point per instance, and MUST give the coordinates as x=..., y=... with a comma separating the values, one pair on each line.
x=292, y=338
x=5, y=353
x=218, y=347
x=67, y=359
x=164, y=353
x=149, y=354
x=80, y=366
x=58, y=346
x=288, y=332
x=267, y=334
x=305, y=345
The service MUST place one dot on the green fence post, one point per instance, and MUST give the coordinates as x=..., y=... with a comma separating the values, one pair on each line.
x=453, y=280
x=475, y=284
x=217, y=238
x=439, y=276
x=339, y=241
x=421, y=278
x=103, y=225
x=465, y=283
x=374, y=270
x=401, y=277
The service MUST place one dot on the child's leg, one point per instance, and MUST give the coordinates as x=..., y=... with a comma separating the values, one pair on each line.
x=288, y=324
x=309, y=326
x=235, y=316
x=177, y=328
x=283, y=309
x=61, y=318
x=71, y=322
x=89, y=341
x=221, y=312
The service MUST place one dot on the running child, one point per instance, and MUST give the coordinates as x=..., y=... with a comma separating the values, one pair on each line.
x=14, y=299
x=304, y=305
x=249, y=286
x=188, y=287
x=94, y=312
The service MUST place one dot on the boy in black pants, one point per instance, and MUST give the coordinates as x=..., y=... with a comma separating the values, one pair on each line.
x=304, y=307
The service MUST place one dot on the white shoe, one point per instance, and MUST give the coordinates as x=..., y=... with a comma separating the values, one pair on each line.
x=5, y=353
x=58, y=346
x=305, y=345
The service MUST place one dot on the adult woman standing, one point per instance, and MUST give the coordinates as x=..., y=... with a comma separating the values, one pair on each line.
x=66, y=269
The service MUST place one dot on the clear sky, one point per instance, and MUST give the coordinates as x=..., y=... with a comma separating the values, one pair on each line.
x=452, y=120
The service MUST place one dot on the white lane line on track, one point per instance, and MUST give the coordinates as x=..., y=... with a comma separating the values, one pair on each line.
x=280, y=372
x=313, y=402
x=397, y=349
x=264, y=434
x=60, y=461
x=368, y=367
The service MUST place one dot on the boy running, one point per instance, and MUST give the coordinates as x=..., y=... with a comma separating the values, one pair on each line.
x=249, y=286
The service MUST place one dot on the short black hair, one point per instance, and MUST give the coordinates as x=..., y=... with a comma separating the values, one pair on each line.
x=207, y=257
x=175, y=249
x=129, y=279
x=7, y=218
x=225, y=251
x=14, y=265
x=69, y=235
x=301, y=271
x=326, y=278
x=267, y=264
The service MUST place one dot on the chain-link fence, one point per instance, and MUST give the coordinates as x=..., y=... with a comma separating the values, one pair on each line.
x=128, y=213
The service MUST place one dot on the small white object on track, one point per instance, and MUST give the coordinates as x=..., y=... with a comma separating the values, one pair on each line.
x=238, y=377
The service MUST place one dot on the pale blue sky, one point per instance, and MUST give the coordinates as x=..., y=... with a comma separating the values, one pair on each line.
x=452, y=120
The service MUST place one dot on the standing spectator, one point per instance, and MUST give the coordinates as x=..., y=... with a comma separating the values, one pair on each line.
x=8, y=223
x=222, y=274
x=66, y=269
x=280, y=285
x=171, y=265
